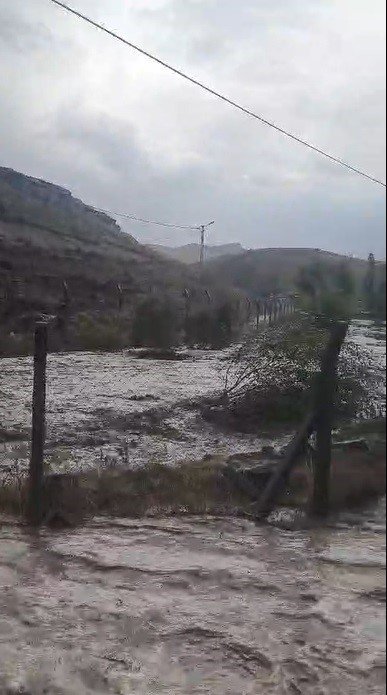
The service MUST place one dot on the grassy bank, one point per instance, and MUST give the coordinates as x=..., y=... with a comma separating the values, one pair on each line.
x=199, y=488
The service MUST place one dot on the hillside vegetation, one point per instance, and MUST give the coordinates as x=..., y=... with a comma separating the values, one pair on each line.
x=266, y=271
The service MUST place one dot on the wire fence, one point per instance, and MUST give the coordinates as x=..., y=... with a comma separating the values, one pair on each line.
x=63, y=389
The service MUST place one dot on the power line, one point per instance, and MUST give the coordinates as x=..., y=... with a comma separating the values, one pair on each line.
x=144, y=221
x=202, y=228
x=227, y=100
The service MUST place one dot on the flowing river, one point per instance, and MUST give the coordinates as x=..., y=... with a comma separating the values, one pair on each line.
x=106, y=409
x=113, y=408
x=194, y=606
x=177, y=606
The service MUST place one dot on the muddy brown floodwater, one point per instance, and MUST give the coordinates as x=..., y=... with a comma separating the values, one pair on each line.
x=194, y=606
x=178, y=606
x=106, y=409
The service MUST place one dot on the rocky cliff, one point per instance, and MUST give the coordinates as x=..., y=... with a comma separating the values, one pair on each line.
x=52, y=245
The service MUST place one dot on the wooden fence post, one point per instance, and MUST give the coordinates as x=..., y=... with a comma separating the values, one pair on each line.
x=319, y=419
x=120, y=297
x=277, y=483
x=187, y=314
x=65, y=293
x=326, y=390
x=270, y=312
x=248, y=309
x=36, y=469
x=258, y=311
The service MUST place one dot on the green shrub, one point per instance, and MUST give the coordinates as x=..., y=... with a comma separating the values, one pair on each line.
x=215, y=328
x=155, y=324
x=105, y=333
x=269, y=377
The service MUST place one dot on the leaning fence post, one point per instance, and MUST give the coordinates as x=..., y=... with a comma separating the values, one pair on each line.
x=36, y=469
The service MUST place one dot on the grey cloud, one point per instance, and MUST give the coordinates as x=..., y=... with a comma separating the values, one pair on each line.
x=16, y=34
x=125, y=135
x=109, y=143
x=194, y=196
x=24, y=29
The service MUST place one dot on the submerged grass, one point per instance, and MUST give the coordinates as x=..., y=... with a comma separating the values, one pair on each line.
x=13, y=498
x=155, y=489
x=199, y=487
x=191, y=488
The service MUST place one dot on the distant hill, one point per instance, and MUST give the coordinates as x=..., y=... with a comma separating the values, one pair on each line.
x=190, y=253
x=264, y=271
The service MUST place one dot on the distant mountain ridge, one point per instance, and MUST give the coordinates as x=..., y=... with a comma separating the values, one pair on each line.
x=190, y=253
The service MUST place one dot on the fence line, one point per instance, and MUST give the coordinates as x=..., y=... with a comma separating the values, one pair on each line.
x=274, y=309
x=269, y=311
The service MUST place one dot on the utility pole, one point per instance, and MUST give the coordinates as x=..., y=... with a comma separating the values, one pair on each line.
x=202, y=239
x=202, y=230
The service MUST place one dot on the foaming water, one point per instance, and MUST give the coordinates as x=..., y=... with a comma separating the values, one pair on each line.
x=200, y=605
x=109, y=409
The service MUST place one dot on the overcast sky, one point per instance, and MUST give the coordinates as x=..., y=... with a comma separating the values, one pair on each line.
x=82, y=110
